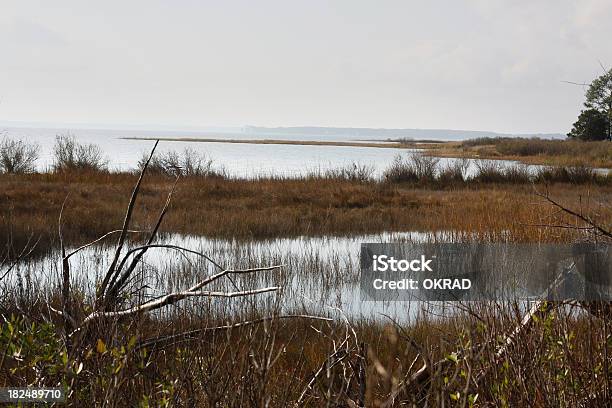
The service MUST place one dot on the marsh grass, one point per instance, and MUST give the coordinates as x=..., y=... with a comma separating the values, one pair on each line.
x=563, y=361
x=558, y=152
x=269, y=208
x=560, y=363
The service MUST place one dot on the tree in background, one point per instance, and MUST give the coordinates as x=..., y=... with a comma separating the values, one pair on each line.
x=591, y=125
x=17, y=156
x=595, y=123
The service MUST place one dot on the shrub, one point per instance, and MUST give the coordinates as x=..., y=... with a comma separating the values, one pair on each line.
x=70, y=155
x=483, y=141
x=188, y=164
x=454, y=172
x=400, y=170
x=352, y=172
x=574, y=174
x=17, y=156
x=517, y=174
x=416, y=168
x=488, y=171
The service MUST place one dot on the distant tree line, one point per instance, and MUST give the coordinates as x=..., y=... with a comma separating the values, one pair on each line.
x=595, y=122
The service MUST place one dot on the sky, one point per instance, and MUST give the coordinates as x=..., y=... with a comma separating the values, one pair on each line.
x=458, y=64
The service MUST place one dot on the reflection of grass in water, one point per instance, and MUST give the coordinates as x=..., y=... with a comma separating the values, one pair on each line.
x=319, y=272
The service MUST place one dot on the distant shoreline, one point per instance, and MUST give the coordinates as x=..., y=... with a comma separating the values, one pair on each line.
x=382, y=145
x=575, y=155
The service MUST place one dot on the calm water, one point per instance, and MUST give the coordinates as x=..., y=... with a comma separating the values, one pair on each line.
x=320, y=275
x=237, y=160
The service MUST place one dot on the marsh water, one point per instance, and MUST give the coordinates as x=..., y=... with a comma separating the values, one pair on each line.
x=319, y=275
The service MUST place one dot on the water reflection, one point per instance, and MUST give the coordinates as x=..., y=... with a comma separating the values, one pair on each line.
x=319, y=274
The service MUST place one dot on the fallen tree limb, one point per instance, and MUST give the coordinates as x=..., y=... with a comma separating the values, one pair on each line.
x=171, y=299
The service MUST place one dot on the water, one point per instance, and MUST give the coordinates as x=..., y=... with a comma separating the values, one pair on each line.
x=320, y=275
x=236, y=160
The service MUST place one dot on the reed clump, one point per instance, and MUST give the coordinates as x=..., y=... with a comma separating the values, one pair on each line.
x=426, y=171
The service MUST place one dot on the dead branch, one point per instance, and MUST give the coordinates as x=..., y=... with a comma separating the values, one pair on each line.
x=332, y=360
x=584, y=218
x=116, y=282
x=124, y=229
x=97, y=240
x=123, y=265
x=170, y=299
x=68, y=326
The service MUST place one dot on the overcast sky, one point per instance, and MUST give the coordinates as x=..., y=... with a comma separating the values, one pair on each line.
x=472, y=64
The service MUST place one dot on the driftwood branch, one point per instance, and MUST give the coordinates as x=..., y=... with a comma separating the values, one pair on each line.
x=123, y=263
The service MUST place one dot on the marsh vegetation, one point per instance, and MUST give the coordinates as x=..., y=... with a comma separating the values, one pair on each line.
x=251, y=317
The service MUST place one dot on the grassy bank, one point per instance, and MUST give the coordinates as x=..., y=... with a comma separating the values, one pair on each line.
x=530, y=151
x=269, y=208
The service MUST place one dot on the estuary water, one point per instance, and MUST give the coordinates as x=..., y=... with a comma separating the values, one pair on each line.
x=235, y=160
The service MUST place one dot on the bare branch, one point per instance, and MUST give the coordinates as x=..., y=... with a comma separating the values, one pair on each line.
x=171, y=299
x=116, y=285
x=581, y=217
x=65, y=275
x=97, y=240
x=126, y=222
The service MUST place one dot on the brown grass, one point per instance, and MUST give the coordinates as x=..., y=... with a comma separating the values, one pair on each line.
x=530, y=151
x=369, y=143
x=559, y=364
x=242, y=209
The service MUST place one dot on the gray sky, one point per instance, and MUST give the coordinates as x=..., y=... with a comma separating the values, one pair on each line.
x=471, y=64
